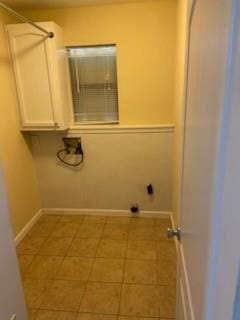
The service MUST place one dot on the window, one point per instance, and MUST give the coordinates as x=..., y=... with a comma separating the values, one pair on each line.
x=94, y=83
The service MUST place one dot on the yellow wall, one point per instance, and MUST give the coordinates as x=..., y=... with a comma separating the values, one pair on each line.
x=145, y=36
x=179, y=96
x=15, y=157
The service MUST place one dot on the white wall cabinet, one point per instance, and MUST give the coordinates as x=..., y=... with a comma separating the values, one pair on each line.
x=42, y=76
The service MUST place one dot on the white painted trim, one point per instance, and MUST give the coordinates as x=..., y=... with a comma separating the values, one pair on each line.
x=27, y=227
x=185, y=279
x=100, y=212
x=159, y=128
x=176, y=242
x=183, y=299
x=106, y=212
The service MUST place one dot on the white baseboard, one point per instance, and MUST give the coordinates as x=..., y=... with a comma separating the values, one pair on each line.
x=27, y=227
x=100, y=212
x=106, y=212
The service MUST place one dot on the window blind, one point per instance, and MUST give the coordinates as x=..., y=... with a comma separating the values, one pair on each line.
x=94, y=83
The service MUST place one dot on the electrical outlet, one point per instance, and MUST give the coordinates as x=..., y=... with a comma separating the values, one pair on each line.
x=13, y=317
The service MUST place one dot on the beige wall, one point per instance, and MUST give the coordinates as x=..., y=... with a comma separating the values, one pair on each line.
x=117, y=167
x=179, y=95
x=145, y=35
x=15, y=157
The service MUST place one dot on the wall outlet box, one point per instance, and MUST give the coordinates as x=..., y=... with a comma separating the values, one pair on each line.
x=134, y=208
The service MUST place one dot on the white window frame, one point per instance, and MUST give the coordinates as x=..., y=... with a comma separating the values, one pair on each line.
x=89, y=123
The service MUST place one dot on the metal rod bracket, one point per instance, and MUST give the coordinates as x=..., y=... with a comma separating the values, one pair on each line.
x=25, y=19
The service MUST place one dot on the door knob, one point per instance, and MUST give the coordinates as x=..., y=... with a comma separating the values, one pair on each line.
x=174, y=233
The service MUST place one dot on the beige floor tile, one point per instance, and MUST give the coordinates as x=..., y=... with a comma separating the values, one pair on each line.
x=75, y=268
x=30, y=246
x=166, y=222
x=161, y=229
x=142, y=221
x=118, y=220
x=116, y=231
x=65, y=229
x=24, y=263
x=34, y=292
x=32, y=313
x=91, y=316
x=137, y=318
x=107, y=270
x=83, y=248
x=112, y=249
x=94, y=219
x=102, y=298
x=44, y=267
x=42, y=229
x=56, y=315
x=63, y=296
x=167, y=301
x=142, y=249
x=90, y=230
x=142, y=232
x=167, y=273
x=161, y=234
x=50, y=217
x=140, y=272
x=55, y=246
x=139, y=300
x=75, y=218
x=166, y=252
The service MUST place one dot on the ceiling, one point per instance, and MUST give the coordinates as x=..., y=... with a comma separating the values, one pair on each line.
x=25, y=4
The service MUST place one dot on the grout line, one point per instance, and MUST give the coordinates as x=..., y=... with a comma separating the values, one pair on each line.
x=157, y=263
x=124, y=268
x=93, y=313
x=60, y=266
x=107, y=282
x=157, y=260
x=92, y=265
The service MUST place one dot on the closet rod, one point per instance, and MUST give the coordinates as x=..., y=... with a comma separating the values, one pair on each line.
x=24, y=19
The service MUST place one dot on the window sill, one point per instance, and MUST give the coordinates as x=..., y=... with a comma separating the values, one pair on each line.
x=95, y=123
x=117, y=128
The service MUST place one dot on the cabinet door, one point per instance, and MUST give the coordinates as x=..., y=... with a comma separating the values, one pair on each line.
x=31, y=59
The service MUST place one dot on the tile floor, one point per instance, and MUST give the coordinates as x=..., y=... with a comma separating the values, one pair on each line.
x=94, y=267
